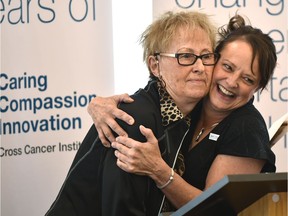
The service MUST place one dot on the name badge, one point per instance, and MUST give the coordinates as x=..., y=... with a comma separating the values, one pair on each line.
x=213, y=136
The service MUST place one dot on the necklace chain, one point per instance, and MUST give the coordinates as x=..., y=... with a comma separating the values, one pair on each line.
x=202, y=131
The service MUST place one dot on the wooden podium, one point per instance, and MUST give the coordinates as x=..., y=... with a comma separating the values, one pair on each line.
x=241, y=195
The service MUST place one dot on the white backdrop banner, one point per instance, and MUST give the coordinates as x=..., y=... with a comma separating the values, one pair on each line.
x=272, y=18
x=55, y=56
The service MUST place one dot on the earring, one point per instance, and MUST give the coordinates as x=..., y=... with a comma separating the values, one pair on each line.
x=161, y=80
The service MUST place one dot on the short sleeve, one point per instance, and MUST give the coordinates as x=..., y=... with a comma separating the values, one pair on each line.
x=245, y=135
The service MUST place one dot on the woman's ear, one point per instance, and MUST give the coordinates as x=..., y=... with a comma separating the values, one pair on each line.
x=154, y=65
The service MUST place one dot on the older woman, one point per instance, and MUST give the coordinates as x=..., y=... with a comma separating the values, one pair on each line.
x=178, y=50
x=227, y=134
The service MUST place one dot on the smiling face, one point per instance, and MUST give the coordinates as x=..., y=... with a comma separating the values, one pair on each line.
x=234, y=82
x=186, y=84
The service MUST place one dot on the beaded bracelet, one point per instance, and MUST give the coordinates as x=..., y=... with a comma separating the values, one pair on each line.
x=169, y=180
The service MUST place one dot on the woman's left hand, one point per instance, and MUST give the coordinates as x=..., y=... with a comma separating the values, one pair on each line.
x=137, y=157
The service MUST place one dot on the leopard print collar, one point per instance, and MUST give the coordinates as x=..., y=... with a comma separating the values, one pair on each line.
x=169, y=110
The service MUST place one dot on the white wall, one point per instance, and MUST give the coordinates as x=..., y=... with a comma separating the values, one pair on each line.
x=130, y=18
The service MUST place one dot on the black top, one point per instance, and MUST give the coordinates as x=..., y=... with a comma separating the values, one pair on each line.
x=95, y=185
x=243, y=133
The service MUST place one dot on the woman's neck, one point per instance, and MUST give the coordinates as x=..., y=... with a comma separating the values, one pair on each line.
x=210, y=115
x=187, y=108
x=209, y=119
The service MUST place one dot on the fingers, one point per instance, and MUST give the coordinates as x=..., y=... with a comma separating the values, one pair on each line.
x=102, y=137
x=147, y=132
x=125, y=98
x=120, y=114
x=104, y=131
x=123, y=155
x=136, y=157
x=122, y=165
x=122, y=143
x=103, y=111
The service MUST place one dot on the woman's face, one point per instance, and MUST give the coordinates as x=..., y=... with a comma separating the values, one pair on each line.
x=234, y=83
x=186, y=84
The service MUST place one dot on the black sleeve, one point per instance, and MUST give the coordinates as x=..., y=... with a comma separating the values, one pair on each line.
x=247, y=136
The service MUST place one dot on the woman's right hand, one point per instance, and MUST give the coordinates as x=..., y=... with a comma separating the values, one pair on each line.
x=103, y=111
x=141, y=158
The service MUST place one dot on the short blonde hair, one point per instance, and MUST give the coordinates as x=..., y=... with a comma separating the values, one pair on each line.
x=159, y=35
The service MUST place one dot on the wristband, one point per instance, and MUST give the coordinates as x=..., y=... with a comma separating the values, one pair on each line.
x=168, y=182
